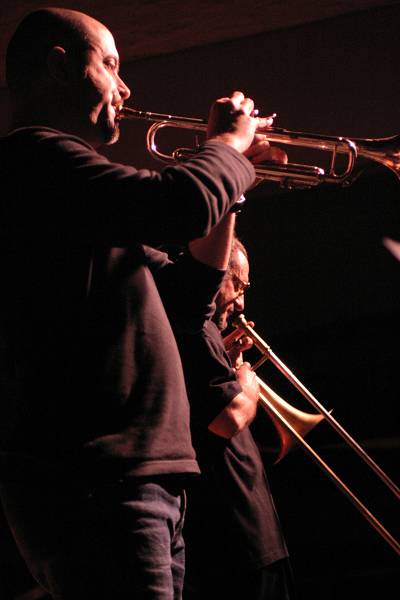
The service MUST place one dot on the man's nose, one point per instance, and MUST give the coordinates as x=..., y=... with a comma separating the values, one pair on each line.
x=123, y=89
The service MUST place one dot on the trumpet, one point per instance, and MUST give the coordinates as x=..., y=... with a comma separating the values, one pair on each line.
x=292, y=425
x=385, y=151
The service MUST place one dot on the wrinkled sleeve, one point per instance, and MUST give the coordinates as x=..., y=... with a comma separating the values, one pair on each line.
x=187, y=288
x=210, y=380
x=102, y=201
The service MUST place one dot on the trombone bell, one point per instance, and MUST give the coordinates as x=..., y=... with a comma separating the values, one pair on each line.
x=290, y=418
x=300, y=421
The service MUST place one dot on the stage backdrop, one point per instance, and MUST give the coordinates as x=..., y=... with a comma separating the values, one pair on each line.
x=325, y=290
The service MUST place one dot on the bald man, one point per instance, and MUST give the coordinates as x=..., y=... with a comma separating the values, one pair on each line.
x=96, y=449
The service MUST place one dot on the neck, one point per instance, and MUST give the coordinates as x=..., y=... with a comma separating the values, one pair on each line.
x=54, y=117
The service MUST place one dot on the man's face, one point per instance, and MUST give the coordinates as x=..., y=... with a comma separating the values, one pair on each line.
x=101, y=90
x=230, y=298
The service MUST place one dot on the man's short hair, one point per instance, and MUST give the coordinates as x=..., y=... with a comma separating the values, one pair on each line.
x=236, y=247
x=34, y=37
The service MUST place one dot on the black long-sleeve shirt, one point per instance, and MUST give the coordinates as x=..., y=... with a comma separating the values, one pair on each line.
x=90, y=367
x=231, y=520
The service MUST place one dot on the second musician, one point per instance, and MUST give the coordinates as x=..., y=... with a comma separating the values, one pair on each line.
x=235, y=546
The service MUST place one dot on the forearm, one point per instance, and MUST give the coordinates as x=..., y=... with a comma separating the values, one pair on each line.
x=182, y=202
x=235, y=417
x=105, y=202
x=214, y=249
x=241, y=410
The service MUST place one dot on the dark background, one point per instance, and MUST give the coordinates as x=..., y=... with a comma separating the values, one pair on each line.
x=325, y=291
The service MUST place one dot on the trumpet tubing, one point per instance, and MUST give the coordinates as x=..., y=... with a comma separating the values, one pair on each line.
x=385, y=151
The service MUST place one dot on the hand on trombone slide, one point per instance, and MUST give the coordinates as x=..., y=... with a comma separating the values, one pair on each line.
x=234, y=121
x=236, y=343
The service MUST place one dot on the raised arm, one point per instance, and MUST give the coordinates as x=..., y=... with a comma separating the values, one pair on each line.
x=242, y=409
x=215, y=250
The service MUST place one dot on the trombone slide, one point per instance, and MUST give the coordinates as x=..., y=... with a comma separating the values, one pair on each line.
x=288, y=419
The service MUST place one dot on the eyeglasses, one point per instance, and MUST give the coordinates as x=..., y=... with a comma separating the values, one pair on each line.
x=239, y=285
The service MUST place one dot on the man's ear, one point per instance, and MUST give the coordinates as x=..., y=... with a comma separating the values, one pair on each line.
x=57, y=65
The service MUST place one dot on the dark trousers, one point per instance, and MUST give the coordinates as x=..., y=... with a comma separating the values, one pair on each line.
x=219, y=581
x=118, y=541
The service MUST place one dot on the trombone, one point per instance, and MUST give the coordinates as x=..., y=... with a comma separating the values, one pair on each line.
x=292, y=424
x=292, y=175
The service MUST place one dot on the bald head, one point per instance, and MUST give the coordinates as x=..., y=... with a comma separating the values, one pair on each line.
x=63, y=73
x=34, y=37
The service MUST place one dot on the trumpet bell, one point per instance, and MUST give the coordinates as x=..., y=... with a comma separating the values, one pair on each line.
x=383, y=150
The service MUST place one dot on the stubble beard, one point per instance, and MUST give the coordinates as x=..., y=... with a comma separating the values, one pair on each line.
x=221, y=321
x=111, y=133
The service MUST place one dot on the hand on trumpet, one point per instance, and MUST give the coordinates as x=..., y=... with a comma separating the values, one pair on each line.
x=261, y=151
x=234, y=121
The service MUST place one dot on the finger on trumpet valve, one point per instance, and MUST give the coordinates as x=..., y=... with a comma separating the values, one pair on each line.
x=264, y=123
